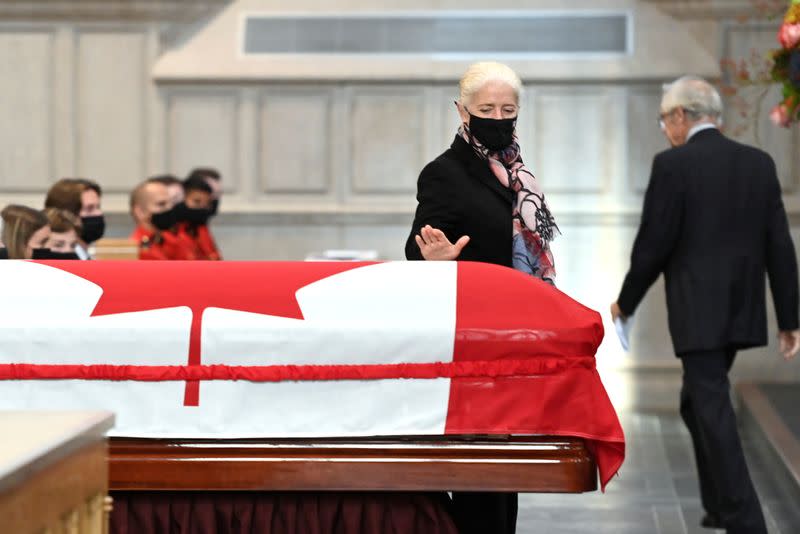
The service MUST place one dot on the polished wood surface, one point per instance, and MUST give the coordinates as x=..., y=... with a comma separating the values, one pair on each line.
x=110, y=248
x=524, y=464
x=54, y=472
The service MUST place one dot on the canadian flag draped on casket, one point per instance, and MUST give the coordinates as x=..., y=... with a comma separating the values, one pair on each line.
x=300, y=349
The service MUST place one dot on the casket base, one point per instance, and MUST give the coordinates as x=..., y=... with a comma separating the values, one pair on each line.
x=537, y=464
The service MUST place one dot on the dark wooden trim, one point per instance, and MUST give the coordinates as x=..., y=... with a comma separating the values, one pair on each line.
x=523, y=464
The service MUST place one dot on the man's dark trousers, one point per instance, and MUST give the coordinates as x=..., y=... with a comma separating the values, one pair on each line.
x=708, y=413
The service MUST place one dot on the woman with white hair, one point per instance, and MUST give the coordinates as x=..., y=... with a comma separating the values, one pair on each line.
x=479, y=202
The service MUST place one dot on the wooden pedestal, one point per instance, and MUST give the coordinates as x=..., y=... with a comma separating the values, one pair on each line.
x=521, y=464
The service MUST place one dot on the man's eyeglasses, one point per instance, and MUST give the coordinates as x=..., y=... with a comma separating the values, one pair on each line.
x=663, y=116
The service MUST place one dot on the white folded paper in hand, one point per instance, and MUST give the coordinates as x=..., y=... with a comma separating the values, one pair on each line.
x=623, y=327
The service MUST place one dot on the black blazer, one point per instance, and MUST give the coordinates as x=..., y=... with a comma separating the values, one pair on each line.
x=713, y=222
x=458, y=194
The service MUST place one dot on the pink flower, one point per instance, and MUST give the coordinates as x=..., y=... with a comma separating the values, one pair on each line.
x=780, y=115
x=789, y=35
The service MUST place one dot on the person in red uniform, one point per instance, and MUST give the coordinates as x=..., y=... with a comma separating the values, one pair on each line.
x=194, y=213
x=214, y=180
x=155, y=215
x=174, y=187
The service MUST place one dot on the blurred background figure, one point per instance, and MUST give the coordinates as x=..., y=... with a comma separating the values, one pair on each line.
x=194, y=214
x=65, y=232
x=93, y=222
x=214, y=180
x=82, y=198
x=156, y=216
x=25, y=232
x=151, y=209
x=174, y=187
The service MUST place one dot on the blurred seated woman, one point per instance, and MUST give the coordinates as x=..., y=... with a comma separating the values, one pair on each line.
x=25, y=232
x=65, y=232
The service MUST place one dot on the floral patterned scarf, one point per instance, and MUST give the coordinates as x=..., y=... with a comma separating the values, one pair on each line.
x=533, y=226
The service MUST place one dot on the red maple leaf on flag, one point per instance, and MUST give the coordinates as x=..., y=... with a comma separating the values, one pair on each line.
x=133, y=286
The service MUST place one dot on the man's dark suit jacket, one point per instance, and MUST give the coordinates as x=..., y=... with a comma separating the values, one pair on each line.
x=713, y=222
x=458, y=194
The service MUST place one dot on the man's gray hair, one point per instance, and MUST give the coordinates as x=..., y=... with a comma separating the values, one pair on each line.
x=695, y=95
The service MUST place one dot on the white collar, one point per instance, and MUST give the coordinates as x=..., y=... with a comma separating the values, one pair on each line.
x=82, y=253
x=699, y=128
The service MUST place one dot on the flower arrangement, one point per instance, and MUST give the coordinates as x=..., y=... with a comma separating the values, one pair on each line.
x=786, y=68
x=747, y=82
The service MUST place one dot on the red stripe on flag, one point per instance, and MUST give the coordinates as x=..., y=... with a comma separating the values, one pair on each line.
x=281, y=373
x=191, y=395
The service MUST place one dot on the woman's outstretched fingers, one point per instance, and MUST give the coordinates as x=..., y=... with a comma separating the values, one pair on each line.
x=428, y=236
x=439, y=236
x=423, y=234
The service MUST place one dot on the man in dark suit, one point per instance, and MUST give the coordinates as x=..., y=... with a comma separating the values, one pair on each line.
x=713, y=222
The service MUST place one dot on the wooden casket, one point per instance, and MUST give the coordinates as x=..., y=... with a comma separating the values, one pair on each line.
x=301, y=376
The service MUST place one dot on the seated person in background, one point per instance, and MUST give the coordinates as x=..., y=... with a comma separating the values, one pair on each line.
x=25, y=232
x=82, y=198
x=65, y=229
x=194, y=213
x=93, y=222
x=183, y=216
x=214, y=179
x=173, y=184
x=154, y=214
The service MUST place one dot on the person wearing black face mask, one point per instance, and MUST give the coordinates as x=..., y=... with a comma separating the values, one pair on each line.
x=479, y=202
x=65, y=229
x=82, y=198
x=194, y=213
x=214, y=180
x=156, y=220
x=48, y=254
x=93, y=221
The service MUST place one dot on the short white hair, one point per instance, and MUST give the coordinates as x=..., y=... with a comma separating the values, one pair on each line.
x=479, y=74
x=695, y=95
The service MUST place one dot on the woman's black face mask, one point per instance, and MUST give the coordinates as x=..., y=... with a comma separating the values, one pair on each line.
x=494, y=134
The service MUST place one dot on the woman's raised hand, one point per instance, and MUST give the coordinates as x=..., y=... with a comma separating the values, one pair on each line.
x=435, y=246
